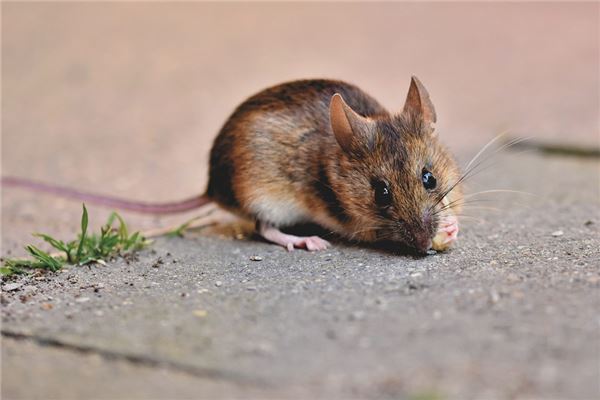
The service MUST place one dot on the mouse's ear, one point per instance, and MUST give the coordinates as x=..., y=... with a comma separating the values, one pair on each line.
x=419, y=103
x=346, y=124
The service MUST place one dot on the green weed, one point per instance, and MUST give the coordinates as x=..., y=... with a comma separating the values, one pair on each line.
x=179, y=231
x=113, y=239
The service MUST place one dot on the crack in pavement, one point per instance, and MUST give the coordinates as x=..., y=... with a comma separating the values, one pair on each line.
x=138, y=359
x=555, y=149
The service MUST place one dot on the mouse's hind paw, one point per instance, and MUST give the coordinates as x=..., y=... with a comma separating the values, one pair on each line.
x=274, y=235
x=310, y=243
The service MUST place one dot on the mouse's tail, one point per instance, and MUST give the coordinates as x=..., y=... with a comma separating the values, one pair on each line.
x=108, y=201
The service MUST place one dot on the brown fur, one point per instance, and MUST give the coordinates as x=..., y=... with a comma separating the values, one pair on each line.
x=278, y=150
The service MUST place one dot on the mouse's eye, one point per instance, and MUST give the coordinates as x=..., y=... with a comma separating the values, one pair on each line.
x=428, y=179
x=383, y=195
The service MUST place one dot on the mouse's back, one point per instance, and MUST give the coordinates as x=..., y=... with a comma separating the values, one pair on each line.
x=266, y=162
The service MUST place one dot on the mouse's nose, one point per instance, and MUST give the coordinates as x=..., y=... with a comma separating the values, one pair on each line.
x=422, y=241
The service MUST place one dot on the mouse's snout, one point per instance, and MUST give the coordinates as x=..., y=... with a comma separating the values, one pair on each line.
x=422, y=233
x=422, y=242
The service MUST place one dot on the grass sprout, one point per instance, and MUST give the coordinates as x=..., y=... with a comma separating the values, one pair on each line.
x=179, y=231
x=113, y=240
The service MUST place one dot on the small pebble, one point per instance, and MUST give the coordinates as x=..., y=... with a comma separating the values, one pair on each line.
x=256, y=258
x=12, y=286
x=557, y=233
x=200, y=313
x=157, y=263
x=47, y=306
x=218, y=283
x=82, y=299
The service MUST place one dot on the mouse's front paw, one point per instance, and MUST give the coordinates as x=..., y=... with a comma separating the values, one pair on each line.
x=447, y=233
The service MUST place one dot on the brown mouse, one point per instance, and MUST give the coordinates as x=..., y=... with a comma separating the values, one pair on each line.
x=325, y=152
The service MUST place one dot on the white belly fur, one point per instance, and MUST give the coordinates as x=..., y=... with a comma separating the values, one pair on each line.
x=279, y=212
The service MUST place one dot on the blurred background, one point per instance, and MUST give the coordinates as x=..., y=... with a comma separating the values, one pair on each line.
x=126, y=98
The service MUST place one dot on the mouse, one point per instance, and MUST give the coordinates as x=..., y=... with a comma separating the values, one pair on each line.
x=325, y=152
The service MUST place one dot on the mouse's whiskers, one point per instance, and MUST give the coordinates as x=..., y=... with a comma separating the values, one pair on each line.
x=477, y=164
x=494, y=191
x=459, y=203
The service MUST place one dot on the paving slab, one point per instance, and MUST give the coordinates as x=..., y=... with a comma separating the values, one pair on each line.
x=126, y=98
x=510, y=312
x=87, y=375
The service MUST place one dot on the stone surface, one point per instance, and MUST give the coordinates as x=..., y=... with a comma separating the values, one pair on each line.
x=94, y=100
x=510, y=311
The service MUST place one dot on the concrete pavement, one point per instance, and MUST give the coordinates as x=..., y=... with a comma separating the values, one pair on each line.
x=511, y=312
x=125, y=99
